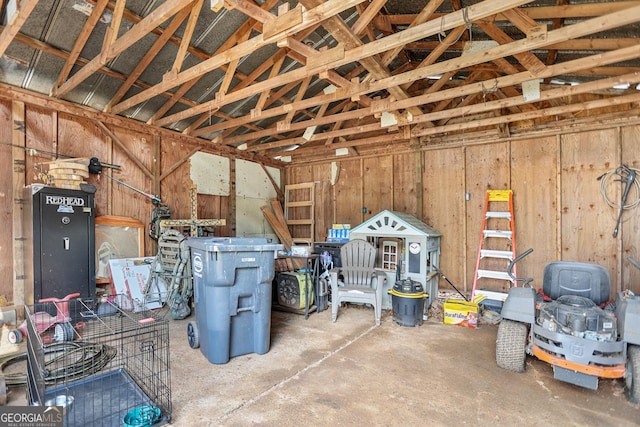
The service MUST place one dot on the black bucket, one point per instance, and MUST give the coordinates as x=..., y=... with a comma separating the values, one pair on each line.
x=407, y=300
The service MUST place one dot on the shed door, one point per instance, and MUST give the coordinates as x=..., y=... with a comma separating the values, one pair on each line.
x=390, y=253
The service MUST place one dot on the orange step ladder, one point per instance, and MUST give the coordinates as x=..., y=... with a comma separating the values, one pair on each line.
x=497, y=239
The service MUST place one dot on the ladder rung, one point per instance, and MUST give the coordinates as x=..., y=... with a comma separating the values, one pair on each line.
x=298, y=204
x=491, y=253
x=497, y=233
x=492, y=295
x=299, y=221
x=505, y=215
x=490, y=274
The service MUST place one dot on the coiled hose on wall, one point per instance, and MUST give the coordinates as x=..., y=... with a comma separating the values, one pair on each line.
x=629, y=177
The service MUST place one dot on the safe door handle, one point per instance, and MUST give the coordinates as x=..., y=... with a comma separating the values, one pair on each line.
x=65, y=242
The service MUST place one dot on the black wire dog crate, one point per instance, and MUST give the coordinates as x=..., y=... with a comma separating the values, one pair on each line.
x=99, y=364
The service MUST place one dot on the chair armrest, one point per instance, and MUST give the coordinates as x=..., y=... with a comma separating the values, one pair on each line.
x=334, y=273
x=380, y=277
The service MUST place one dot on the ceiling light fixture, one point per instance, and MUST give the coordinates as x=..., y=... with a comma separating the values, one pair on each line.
x=562, y=82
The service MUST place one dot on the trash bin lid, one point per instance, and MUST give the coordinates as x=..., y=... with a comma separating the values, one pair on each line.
x=408, y=288
x=233, y=244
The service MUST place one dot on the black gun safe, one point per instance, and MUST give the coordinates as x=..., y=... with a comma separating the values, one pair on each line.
x=60, y=243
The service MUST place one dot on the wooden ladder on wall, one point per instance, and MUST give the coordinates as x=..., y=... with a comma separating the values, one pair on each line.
x=299, y=210
x=497, y=239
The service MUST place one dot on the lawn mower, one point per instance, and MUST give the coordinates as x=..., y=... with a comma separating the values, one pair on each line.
x=571, y=325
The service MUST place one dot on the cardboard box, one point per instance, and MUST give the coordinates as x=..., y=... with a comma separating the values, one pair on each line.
x=338, y=233
x=341, y=226
x=461, y=312
x=129, y=276
x=336, y=240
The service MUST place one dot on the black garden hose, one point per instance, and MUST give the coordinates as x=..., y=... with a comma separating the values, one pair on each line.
x=86, y=359
x=628, y=176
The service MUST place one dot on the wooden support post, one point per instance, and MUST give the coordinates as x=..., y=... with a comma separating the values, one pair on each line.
x=18, y=137
x=155, y=169
x=419, y=162
x=232, y=197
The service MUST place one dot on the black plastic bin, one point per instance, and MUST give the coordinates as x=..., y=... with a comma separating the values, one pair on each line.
x=333, y=248
x=407, y=301
x=232, y=279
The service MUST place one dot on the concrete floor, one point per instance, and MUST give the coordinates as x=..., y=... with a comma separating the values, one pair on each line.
x=352, y=373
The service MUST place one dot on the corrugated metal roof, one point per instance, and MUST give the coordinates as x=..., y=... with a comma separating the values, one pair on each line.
x=400, y=67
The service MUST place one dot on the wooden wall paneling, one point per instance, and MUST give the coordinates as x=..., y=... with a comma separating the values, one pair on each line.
x=175, y=193
x=298, y=175
x=407, y=180
x=208, y=206
x=587, y=221
x=323, y=200
x=348, y=190
x=444, y=209
x=630, y=232
x=54, y=131
x=126, y=201
x=534, y=178
x=116, y=198
x=38, y=128
x=7, y=202
x=377, y=184
x=175, y=187
x=294, y=175
x=78, y=137
x=86, y=139
x=487, y=167
x=214, y=207
x=104, y=203
x=5, y=123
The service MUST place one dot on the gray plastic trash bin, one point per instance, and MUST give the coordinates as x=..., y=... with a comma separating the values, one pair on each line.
x=232, y=279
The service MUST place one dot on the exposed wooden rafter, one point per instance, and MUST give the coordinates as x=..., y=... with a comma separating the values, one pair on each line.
x=312, y=76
